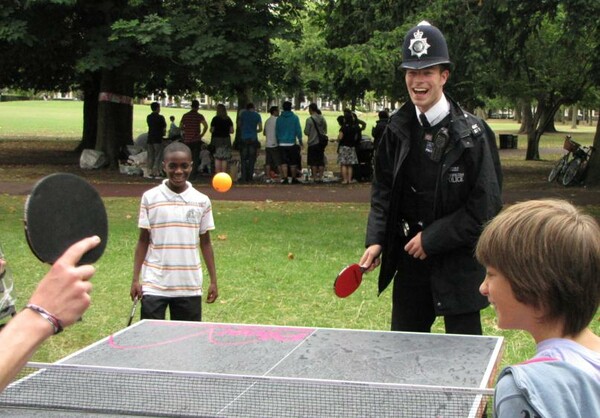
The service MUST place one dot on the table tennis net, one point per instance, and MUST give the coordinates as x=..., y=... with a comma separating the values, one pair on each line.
x=117, y=391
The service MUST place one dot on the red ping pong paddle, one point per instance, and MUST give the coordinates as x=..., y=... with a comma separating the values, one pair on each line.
x=61, y=210
x=348, y=280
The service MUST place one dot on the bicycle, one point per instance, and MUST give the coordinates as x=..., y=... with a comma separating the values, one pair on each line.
x=559, y=169
x=577, y=168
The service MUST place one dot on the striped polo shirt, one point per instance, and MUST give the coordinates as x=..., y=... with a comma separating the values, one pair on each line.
x=190, y=123
x=172, y=266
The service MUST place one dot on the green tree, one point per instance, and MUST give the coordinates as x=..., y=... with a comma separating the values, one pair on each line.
x=79, y=50
x=110, y=48
x=230, y=46
x=365, y=39
x=545, y=52
x=361, y=39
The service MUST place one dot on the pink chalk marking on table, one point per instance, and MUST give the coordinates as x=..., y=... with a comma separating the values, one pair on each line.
x=252, y=335
x=226, y=335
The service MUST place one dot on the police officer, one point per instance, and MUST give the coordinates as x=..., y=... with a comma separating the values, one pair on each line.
x=437, y=181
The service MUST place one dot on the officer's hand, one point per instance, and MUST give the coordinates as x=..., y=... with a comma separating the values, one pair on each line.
x=415, y=248
x=370, y=259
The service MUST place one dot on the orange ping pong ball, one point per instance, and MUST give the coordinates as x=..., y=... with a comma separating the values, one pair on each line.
x=221, y=182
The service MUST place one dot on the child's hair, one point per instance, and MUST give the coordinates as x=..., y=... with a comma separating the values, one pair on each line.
x=177, y=147
x=273, y=109
x=171, y=118
x=549, y=252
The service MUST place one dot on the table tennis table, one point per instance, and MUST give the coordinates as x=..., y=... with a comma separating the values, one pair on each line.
x=171, y=368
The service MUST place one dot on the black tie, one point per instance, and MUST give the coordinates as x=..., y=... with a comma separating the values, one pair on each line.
x=424, y=121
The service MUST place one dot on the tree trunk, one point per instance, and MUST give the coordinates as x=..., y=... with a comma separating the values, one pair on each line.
x=533, y=145
x=574, y=116
x=526, y=117
x=299, y=97
x=543, y=117
x=91, y=90
x=115, y=115
x=244, y=96
x=593, y=175
x=535, y=131
x=547, y=108
x=518, y=112
x=550, y=128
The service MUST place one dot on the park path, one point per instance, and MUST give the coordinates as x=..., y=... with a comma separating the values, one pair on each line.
x=354, y=193
x=359, y=192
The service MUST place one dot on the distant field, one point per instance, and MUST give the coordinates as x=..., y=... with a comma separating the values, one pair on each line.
x=64, y=119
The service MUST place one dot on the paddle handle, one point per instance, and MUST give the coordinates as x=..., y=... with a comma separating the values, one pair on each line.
x=131, y=315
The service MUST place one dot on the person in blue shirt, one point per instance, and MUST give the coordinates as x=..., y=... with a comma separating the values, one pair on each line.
x=289, y=138
x=250, y=124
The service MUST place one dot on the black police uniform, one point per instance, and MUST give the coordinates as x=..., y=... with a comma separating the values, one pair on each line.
x=449, y=201
x=445, y=192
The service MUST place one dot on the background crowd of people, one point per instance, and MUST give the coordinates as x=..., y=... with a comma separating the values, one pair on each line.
x=283, y=140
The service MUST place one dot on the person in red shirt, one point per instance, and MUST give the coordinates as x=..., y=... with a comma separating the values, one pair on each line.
x=193, y=127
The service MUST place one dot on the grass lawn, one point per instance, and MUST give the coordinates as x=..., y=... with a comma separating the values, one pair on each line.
x=276, y=264
x=276, y=261
x=64, y=119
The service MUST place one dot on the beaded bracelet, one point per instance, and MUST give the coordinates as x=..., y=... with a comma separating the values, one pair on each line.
x=54, y=321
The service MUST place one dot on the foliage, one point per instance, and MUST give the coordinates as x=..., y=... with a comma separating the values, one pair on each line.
x=367, y=55
x=362, y=39
x=548, y=54
x=114, y=45
x=228, y=45
x=34, y=57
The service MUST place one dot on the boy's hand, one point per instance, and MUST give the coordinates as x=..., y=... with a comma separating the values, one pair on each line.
x=212, y=293
x=136, y=290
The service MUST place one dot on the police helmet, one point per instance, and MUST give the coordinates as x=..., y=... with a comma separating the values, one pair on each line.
x=424, y=46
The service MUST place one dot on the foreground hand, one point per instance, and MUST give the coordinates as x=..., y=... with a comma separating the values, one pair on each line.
x=370, y=259
x=415, y=247
x=65, y=290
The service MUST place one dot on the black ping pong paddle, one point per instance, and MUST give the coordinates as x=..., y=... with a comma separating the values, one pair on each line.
x=348, y=280
x=132, y=313
x=61, y=210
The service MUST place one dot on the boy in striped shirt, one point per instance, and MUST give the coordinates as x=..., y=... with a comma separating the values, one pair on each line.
x=175, y=220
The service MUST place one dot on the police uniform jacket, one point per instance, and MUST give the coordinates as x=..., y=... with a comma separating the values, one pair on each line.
x=467, y=194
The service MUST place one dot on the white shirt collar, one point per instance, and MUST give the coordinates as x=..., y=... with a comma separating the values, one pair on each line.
x=437, y=112
x=171, y=195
